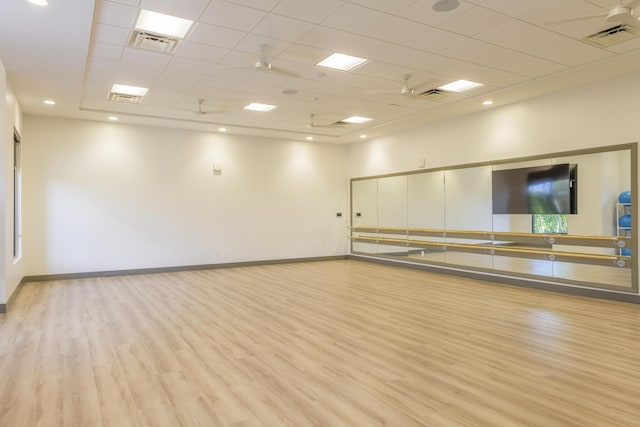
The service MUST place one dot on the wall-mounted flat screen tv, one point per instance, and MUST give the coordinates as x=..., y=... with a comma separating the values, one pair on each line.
x=535, y=190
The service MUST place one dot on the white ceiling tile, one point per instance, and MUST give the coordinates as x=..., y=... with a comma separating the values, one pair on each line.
x=434, y=63
x=378, y=69
x=262, y=46
x=190, y=65
x=356, y=19
x=282, y=28
x=464, y=48
x=399, y=55
x=309, y=11
x=385, y=5
x=516, y=62
x=173, y=80
x=215, y=36
x=224, y=72
x=116, y=14
x=536, y=41
x=110, y=34
x=557, y=10
x=232, y=16
x=474, y=21
x=627, y=46
x=137, y=74
x=422, y=11
x=304, y=54
x=106, y=51
x=434, y=39
x=145, y=57
x=162, y=98
x=513, y=7
x=584, y=57
x=134, y=3
x=203, y=52
x=327, y=38
x=397, y=30
x=266, y=5
x=192, y=9
x=367, y=47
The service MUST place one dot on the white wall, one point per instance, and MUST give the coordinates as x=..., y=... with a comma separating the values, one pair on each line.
x=11, y=270
x=591, y=116
x=596, y=115
x=107, y=196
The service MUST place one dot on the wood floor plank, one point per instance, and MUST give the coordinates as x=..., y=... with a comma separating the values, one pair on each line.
x=333, y=343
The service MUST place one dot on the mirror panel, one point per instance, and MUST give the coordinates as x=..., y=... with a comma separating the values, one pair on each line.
x=445, y=217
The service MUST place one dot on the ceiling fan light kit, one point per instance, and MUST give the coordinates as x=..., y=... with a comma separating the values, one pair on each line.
x=445, y=5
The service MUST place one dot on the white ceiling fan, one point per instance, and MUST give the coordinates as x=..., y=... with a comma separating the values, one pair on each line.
x=313, y=124
x=620, y=14
x=405, y=90
x=264, y=64
x=201, y=111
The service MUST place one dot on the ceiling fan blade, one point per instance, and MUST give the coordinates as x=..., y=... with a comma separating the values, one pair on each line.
x=580, y=18
x=284, y=72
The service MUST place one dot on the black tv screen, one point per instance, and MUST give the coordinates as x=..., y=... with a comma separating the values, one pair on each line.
x=535, y=190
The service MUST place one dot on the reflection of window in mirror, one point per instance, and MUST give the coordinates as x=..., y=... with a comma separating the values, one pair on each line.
x=549, y=224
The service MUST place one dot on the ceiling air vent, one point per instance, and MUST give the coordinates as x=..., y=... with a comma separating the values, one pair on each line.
x=153, y=42
x=613, y=35
x=123, y=97
x=434, y=94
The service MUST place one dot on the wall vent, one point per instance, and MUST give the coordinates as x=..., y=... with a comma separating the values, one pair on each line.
x=613, y=35
x=153, y=42
x=123, y=97
x=434, y=94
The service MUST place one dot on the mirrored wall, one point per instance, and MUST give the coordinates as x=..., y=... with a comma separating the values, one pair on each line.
x=568, y=228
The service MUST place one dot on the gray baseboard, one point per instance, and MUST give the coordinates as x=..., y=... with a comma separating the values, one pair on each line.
x=110, y=273
x=512, y=281
x=3, y=307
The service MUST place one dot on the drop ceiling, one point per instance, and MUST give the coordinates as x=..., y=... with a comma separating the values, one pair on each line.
x=73, y=51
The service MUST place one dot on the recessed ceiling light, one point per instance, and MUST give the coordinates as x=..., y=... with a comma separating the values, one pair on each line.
x=342, y=62
x=363, y=136
x=113, y=118
x=460, y=86
x=129, y=90
x=488, y=102
x=39, y=2
x=49, y=102
x=254, y=106
x=356, y=119
x=160, y=23
x=222, y=129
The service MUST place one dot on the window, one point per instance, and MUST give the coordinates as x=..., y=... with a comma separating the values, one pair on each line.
x=17, y=197
x=549, y=224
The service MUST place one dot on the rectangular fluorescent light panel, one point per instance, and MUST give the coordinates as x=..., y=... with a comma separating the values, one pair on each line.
x=254, y=106
x=356, y=119
x=129, y=90
x=342, y=62
x=460, y=86
x=160, y=23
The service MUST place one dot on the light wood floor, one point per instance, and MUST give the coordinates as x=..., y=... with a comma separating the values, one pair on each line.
x=335, y=343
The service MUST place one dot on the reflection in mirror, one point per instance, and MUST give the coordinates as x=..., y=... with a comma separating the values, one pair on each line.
x=445, y=217
x=468, y=207
x=426, y=211
x=364, y=210
x=392, y=211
